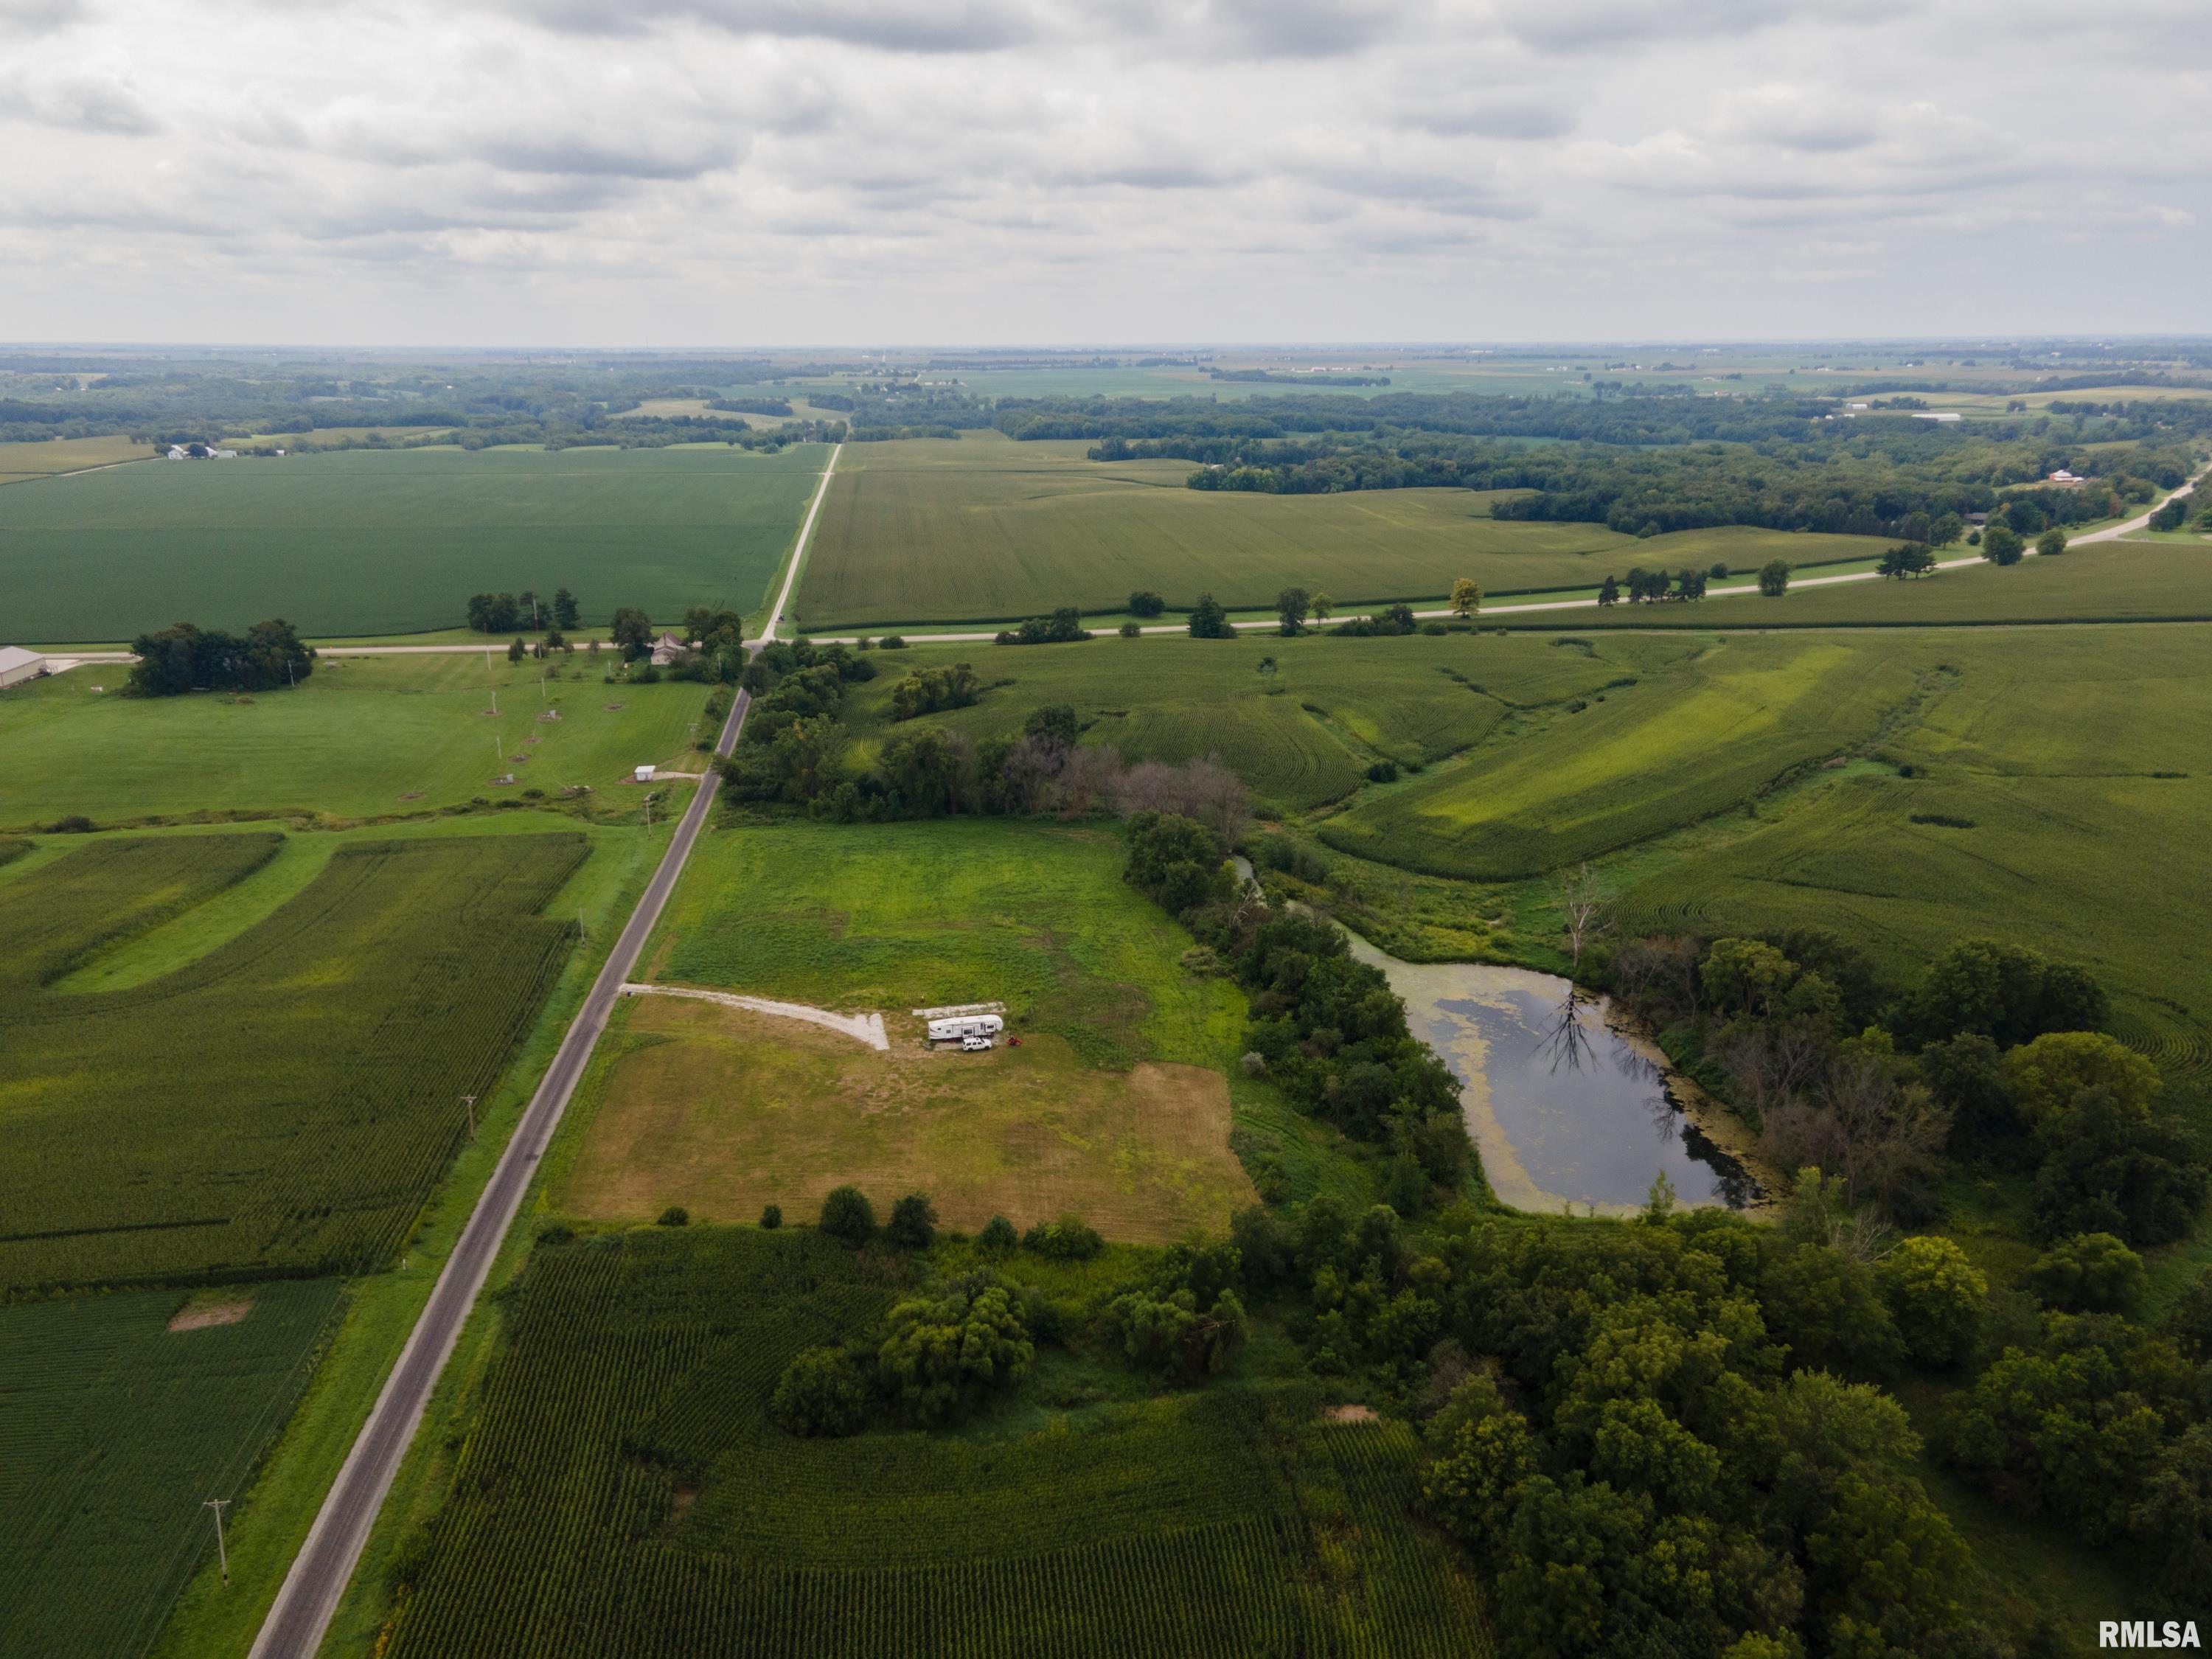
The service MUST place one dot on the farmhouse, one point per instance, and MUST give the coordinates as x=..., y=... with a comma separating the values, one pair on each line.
x=666, y=649
x=2065, y=480
x=17, y=665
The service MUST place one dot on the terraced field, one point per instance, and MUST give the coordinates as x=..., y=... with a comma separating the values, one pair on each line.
x=622, y=1492
x=1302, y=735
x=366, y=542
x=1693, y=739
x=981, y=529
x=119, y=1416
x=2062, y=784
x=283, y=1103
x=362, y=736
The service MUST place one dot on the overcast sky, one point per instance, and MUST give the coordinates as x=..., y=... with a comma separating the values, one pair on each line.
x=853, y=171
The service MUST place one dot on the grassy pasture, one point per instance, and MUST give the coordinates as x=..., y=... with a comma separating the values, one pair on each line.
x=20, y=463
x=362, y=736
x=2126, y=581
x=114, y=1428
x=1227, y=1520
x=723, y=1111
x=1692, y=739
x=279, y=1100
x=360, y=542
x=1301, y=736
x=983, y=528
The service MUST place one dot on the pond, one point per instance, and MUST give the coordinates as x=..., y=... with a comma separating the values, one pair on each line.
x=1564, y=1108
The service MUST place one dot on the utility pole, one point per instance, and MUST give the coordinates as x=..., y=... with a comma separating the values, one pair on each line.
x=470, y=1101
x=222, y=1550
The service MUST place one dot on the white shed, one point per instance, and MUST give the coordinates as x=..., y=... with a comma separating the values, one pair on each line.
x=17, y=665
x=644, y=773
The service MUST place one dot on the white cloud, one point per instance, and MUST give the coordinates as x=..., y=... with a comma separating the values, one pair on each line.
x=823, y=170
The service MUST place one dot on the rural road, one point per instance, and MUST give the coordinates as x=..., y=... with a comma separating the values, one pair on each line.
x=302, y=1610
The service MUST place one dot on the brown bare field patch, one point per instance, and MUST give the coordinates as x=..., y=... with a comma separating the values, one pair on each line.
x=197, y=1314
x=724, y=1111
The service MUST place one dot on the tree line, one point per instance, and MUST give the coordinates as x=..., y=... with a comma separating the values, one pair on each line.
x=183, y=657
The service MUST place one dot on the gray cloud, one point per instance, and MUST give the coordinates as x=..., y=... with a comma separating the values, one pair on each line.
x=1041, y=169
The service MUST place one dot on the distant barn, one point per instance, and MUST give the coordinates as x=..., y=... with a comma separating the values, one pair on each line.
x=17, y=665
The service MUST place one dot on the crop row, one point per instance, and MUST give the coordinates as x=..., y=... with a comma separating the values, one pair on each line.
x=622, y=1493
x=282, y=1104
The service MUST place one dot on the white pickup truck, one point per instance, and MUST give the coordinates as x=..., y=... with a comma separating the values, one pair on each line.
x=969, y=1045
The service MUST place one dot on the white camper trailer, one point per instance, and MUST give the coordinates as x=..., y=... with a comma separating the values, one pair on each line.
x=965, y=1025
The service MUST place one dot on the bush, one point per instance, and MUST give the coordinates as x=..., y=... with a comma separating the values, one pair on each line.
x=998, y=1237
x=846, y=1214
x=822, y=1392
x=913, y=1225
x=1066, y=1238
x=1146, y=602
x=2051, y=543
x=76, y=824
x=2089, y=1272
x=1130, y=630
x=771, y=1218
x=1382, y=771
x=674, y=1216
x=891, y=642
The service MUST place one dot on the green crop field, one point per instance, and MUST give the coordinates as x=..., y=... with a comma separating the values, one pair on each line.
x=362, y=736
x=982, y=528
x=2104, y=582
x=376, y=542
x=115, y=1427
x=277, y=1102
x=1301, y=736
x=622, y=1493
x=2062, y=782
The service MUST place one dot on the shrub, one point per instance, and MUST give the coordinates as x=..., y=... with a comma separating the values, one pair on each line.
x=1130, y=630
x=674, y=1216
x=2089, y=1272
x=998, y=1237
x=913, y=1225
x=2051, y=542
x=822, y=1392
x=771, y=1218
x=77, y=824
x=846, y=1214
x=1066, y=1238
x=1146, y=602
x=891, y=642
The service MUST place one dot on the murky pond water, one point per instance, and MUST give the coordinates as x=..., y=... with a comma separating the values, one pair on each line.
x=1564, y=1108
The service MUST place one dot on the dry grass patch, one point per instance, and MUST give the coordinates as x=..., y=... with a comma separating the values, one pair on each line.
x=212, y=1308
x=723, y=1111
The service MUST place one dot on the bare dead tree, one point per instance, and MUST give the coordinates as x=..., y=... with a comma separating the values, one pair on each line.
x=1581, y=904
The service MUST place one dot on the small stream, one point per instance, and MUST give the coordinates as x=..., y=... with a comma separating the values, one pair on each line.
x=1565, y=1109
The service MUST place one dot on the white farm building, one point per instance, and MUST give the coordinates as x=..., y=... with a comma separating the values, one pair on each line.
x=17, y=665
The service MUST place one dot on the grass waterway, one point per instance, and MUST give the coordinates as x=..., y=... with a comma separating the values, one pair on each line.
x=1564, y=1108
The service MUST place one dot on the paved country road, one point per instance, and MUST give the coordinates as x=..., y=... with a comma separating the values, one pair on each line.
x=302, y=1610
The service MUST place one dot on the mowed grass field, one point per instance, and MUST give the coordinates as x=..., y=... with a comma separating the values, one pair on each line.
x=362, y=736
x=273, y=1094
x=2126, y=581
x=1693, y=737
x=364, y=542
x=21, y=462
x=983, y=528
x=119, y=1416
x=723, y=1111
x=1117, y=1105
x=1302, y=735
x=911, y=916
x=623, y=1492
